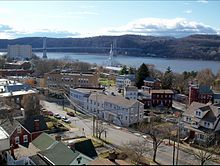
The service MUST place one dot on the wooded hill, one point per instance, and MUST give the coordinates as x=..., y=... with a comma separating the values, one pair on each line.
x=206, y=47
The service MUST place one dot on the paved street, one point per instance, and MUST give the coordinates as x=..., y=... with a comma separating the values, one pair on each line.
x=120, y=136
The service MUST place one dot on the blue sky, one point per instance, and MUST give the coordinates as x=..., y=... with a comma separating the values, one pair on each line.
x=93, y=18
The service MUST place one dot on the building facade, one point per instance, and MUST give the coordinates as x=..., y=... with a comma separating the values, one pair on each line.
x=201, y=122
x=57, y=80
x=200, y=93
x=162, y=97
x=115, y=109
x=19, y=51
x=131, y=92
x=152, y=83
x=125, y=80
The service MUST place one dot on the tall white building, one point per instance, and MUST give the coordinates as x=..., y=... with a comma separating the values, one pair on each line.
x=19, y=51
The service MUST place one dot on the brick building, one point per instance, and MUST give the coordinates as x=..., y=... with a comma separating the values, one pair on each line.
x=200, y=93
x=59, y=79
x=151, y=83
x=162, y=97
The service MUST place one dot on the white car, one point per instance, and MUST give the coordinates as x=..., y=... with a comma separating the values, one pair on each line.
x=66, y=120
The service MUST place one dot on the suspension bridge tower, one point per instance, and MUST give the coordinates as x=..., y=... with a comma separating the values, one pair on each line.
x=44, y=48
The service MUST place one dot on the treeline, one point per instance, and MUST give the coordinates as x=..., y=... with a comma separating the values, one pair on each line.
x=206, y=47
x=175, y=81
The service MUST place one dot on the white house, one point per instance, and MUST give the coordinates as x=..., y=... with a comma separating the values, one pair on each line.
x=131, y=92
x=125, y=80
x=201, y=120
x=80, y=95
x=115, y=109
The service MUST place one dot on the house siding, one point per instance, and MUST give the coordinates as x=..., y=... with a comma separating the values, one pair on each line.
x=20, y=135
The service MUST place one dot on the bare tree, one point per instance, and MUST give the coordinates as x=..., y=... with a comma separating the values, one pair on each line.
x=205, y=77
x=135, y=150
x=202, y=156
x=31, y=105
x=157, y=133
x=100, y=129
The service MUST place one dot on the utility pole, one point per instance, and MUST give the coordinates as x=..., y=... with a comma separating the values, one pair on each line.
x=138, y=118
x=174, y=152
x=178, y=141
x=63, y=100
x=97, y=116
x=93, y=126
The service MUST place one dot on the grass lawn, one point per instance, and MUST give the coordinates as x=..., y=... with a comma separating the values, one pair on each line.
x=106, y=82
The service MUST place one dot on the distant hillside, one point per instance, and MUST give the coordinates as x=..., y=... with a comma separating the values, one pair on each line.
x=205, y=47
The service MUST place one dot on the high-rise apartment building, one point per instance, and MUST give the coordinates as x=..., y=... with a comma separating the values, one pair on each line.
x=19, y=51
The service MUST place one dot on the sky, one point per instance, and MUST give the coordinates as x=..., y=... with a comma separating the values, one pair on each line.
x=94, y=18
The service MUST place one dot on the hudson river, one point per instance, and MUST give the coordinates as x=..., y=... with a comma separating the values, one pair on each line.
x=177, y=65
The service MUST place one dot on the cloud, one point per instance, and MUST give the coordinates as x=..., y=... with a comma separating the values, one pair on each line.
x=7, y=32
x=188, y=11
x=4, y=28
x=177, y=27
x=202, y=1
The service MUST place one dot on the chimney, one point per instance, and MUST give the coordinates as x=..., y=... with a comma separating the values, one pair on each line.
x=36, y=124
x=58, y=137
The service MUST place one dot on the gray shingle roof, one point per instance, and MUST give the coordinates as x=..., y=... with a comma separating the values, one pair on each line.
x=204, y=89
x=193, y=106
x=151, y=79
x=29, y=123
x=9, y=126
x=117, y=100
x=131, y=88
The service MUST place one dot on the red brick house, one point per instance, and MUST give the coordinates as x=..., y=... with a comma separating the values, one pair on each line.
x=200, y=93
x=18, y=134
x=162, y=97
x=152, y=83
x=35, y=125
x=24, y=131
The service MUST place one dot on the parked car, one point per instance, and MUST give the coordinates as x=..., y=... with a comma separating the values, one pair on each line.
x=47, y=113
x=57, y=116
x=70, y=114
x=66, y=120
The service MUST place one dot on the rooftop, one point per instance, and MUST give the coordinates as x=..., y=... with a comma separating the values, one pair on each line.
x=118, y=100
x=131, y=88
x=204, y=89
x=3, y=134
x=151, y=79
x=88, y=90
x=167, y=91
x=43, y=141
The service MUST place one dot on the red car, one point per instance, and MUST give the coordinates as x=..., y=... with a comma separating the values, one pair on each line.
x=48, y=113
x=70, y=114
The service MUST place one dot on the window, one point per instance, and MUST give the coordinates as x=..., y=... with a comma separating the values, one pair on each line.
x=17, y=141
x=25, y=138
x=19, y=129
x=201, y=136
x=208, y=124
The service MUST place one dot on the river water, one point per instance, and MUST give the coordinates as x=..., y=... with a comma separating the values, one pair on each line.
x=177, y=65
